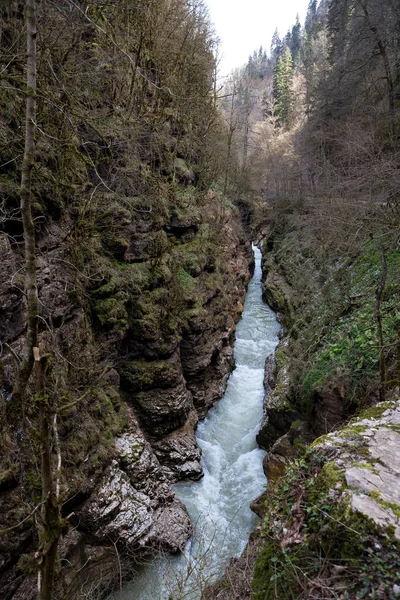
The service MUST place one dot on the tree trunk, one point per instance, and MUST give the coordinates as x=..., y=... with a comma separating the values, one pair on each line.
x=26, y=211
x=52, y=523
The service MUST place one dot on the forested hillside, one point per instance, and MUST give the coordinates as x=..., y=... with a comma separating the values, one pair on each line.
x=123, y=271
x=316, y=127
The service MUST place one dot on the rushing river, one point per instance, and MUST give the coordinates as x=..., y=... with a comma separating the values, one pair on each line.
x=233, y=476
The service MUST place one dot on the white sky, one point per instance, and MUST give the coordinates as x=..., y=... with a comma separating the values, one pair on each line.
x=245, y=25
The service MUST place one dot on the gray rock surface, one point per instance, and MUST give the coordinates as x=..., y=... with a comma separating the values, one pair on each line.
x=120, y=512
x=117, y=511
x=368, y=452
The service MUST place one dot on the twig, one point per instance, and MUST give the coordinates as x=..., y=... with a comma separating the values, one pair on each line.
x=6, y=531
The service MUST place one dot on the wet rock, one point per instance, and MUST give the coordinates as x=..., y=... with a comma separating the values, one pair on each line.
x=180, y=453
x=277, y=292
x=209, y=384
x=279, y=410
x=171, y=528
x=137, y=460
x=117, y=511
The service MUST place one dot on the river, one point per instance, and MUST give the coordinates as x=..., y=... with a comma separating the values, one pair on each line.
x=233, y=476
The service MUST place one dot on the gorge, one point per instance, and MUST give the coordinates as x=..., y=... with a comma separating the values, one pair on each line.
x=131, y=186
x=219, y=504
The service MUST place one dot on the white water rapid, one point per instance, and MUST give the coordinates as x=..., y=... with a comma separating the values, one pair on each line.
x=233, y=476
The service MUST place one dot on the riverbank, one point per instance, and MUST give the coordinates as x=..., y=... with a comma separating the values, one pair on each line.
x=326, y=370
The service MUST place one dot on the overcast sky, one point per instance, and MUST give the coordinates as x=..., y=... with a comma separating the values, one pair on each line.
x=245, y=25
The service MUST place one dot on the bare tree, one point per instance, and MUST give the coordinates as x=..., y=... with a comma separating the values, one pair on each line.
x=26, y=211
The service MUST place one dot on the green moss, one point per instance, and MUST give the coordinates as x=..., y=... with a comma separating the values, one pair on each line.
x=140, y=375
x=368, y=466
x=319, y=441
x=331, y=534
x=313, y=381
x=273, y=577
x=329, y=477
x=376, y=411
x=352, y=431
x=97, y=420
x=376, y=495
x=111, y=312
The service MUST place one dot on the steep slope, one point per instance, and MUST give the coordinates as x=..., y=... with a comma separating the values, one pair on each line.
x=141, y=270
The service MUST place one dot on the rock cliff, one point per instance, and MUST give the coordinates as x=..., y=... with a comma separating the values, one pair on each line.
x=141, y=346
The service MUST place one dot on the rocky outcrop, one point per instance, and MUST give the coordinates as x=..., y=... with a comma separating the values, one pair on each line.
x=118, y=512
x=339, y=505
x=179, y=453
x=276, y=290
x=285, y=403
x=279, y=409
x=366, y=452
x=341, y=502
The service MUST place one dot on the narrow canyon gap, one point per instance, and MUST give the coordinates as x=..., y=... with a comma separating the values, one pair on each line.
x=233, y=476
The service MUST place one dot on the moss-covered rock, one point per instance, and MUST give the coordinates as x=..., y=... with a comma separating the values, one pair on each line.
x=333, y=518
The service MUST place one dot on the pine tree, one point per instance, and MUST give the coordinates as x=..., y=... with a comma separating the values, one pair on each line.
x=277, y=48
x=295, y=40
x=282, y=87
x=310, y=17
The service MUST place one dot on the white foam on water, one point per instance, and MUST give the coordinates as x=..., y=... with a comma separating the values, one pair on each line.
x=233, y=476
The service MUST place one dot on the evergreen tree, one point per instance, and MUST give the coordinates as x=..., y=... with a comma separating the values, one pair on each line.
x=282, y=87
x=277, y=47
x=295, y=40
x=311, y=15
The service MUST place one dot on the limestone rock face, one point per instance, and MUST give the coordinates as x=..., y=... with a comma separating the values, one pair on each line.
x=279, y=410
x=179, y=452
x=116, y=511
x=120, y=513
x=171, y=528
x=134, y=505
x=164, y=410
x=159, y=393
x=368, y=453
x=137, y=460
